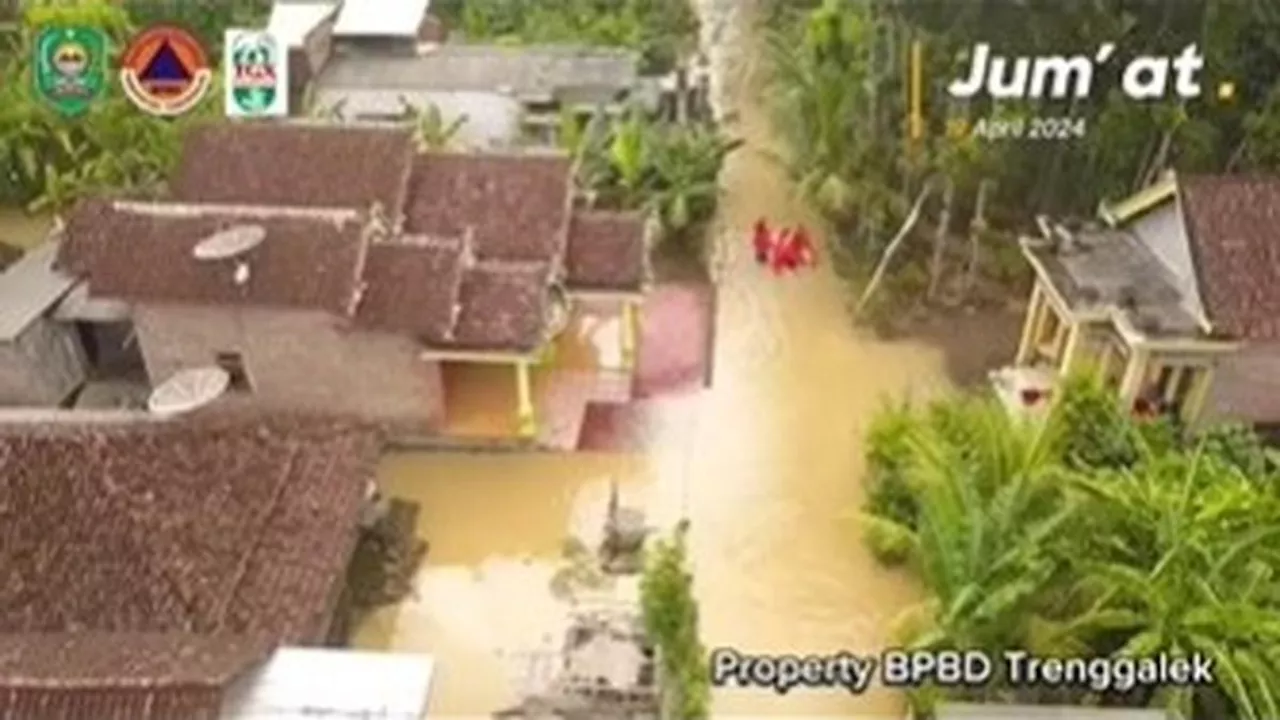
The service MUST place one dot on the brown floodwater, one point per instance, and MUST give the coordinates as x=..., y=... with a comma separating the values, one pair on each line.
x=21, y=229
x=767, y=465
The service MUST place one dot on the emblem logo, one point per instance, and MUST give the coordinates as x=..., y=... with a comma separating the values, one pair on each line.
x=256, y=74
x=165, y=71
x=70, y=67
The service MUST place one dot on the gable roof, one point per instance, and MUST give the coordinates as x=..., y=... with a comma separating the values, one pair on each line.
x=121, y=676
x=516, y=207
x=295, y=164
x=606, y=251
x=207, y=525
x=1233, y=226
x=143, y=251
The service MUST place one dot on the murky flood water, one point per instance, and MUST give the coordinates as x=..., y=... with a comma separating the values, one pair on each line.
x=766, y=465
x=22, y=230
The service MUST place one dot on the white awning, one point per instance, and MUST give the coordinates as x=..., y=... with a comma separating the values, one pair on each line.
x=310, y=683
x=380, y=18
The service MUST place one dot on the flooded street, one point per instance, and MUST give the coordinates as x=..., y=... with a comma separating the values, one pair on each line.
x=766, y=464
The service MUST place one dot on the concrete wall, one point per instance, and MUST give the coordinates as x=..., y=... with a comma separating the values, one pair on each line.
x=297, y=360
x=42, y=366
x=1246, y=386
x=493, y=119
x=1162, y=230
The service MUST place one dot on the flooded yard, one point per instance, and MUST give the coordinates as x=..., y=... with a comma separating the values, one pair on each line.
x=766, y=464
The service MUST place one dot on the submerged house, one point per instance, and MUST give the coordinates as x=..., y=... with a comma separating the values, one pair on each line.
x=1173, y=295
x=155, y=570
x=378, y=269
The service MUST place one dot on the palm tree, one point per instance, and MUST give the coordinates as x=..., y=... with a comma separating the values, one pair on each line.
x=1189, y=565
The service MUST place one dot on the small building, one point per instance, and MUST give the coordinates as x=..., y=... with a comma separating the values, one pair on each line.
x=965, y=711
x=305, y=28
x=153, y=568
x=381, y=271
x=1173, y=295
x=507, y=94
x=41, y=360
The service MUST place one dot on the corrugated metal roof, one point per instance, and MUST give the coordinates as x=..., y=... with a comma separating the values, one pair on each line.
x=30, y=287
x=524, y=72
x=291, y=21
x=380, y=18
x=306, y=683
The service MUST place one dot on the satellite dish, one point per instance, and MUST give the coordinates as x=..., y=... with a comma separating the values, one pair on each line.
x=230, y=243
x=188, y=390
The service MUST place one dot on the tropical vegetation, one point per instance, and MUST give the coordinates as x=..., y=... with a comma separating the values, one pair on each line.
x=663, y=32
x=1049, y=537
x=842, y=82
x=48, y=160
x=671, y=623
x=672, y=171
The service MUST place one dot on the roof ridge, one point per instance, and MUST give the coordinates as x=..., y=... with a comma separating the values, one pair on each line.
x=205, y=209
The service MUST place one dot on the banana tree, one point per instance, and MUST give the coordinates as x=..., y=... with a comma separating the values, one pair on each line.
x=687, y=162
x=431, y=130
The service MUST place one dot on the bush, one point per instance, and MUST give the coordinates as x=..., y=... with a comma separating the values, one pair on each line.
x=888, y=453
x=671, y=622
x=1239, y=446
x=1097, y=431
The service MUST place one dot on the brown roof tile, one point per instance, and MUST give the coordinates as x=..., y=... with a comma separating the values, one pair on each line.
x=143, y=252
x=48, y=661
x=503, y=306
x=412, y=286
x=516, y=205
x=1233, y=225
x=203, y=525
x=295, y=164
x=606, y=251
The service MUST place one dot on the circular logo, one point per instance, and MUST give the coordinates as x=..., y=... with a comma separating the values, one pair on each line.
x=253, y=82
x=165, y=71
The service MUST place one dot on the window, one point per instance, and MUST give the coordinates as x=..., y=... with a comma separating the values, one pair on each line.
x=233, y=363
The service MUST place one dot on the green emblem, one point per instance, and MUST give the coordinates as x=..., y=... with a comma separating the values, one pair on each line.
x=70, y=67
x=254, y=78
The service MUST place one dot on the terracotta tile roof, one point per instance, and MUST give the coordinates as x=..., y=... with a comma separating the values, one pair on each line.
x=516, y=205
x=1233, y=225
x=412, y=286
x=137, y=251
x=121, y=676
x=503, y=306
x=295, y=164
x=606, y=251
x=205, y=525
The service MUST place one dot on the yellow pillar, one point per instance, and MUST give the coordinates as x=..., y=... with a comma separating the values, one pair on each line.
x=630, y=333
x=1072, y=348
x=1135, y=372
x=528, y=421
x=1030, y=325
x=1199, y=392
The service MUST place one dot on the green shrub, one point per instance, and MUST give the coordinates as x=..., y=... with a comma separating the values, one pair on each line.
x=1239, y=446
x=888, y=453
x=1097, y=431
x=890, y=542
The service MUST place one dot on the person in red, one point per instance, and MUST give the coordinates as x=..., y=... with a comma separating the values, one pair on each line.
x=784, y=253
x=803, y=248
x=762, y=241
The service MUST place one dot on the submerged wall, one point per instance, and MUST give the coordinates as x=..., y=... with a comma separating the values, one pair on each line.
x=42, y=366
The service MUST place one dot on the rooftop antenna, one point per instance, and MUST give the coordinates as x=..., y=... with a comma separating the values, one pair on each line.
x=234, y=243
x=188, y=390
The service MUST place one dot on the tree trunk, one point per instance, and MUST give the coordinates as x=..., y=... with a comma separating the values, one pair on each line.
x=893, y=245
x=940, y=240
x=977, y=226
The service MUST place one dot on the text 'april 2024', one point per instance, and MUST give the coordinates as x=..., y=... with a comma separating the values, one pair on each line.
x=856, y=673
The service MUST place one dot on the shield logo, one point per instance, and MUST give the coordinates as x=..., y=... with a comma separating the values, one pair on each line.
x=70, y=67
x=256, y=75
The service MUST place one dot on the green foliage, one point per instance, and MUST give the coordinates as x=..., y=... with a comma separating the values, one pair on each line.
x=46, y=160
x=670, y=171
x=840, y=90
x=671, y=621
x=888, y=456
x=661, y=31
x=1087, y=533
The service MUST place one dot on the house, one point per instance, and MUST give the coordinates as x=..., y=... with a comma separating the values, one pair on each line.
x=41, y=360
x=1173, y=295
x=964, y=711
x=381, y=269
x=305, y=28
x=507, y=94
x=153, y=568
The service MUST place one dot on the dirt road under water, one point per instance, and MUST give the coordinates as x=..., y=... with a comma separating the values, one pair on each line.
x=766, y=464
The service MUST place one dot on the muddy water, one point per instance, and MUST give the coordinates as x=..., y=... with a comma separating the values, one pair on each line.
x=766, y=465
x=22, y=230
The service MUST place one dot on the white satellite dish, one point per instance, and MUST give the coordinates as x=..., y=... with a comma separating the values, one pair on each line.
x=230, y=243
x=188, y=390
